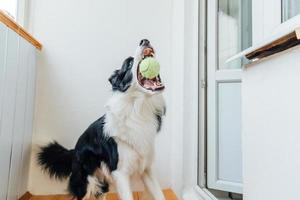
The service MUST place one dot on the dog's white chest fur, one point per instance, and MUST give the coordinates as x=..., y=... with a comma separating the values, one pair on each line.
x=131, y=119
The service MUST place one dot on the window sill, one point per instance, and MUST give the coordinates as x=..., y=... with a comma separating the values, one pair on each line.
x=271, y=46
x=281, y=44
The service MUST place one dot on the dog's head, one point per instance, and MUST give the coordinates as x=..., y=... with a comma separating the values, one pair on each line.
x=129, y=76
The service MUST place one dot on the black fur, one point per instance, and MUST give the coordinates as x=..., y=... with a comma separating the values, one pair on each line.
x=56, y=160
x=93, y=148
x=158, y=116
x=144, y=42
x=121, y=79
x=159, y=122
x=95, y=143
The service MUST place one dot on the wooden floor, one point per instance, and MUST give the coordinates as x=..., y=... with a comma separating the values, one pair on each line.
x=169, y=194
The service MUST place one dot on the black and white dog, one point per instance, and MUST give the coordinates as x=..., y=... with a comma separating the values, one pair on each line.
x=120, y=143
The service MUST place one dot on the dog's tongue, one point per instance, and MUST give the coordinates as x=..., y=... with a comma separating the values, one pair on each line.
x=152, y=84
x=149, y=84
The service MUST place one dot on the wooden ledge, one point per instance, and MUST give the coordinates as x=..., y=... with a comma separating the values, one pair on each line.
x=273, y=45
x=281, y=44
x=169, y=194
x=5, y=19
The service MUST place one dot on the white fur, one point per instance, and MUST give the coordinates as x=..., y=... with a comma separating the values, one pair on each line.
x=131, y=120
x=94, y=185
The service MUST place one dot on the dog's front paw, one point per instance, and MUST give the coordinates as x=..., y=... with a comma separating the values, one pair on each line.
x=100, y=196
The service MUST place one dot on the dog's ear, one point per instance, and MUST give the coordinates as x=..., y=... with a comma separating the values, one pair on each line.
x=121, y=79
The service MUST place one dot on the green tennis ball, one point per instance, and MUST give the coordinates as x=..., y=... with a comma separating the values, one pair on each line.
x=149, y=67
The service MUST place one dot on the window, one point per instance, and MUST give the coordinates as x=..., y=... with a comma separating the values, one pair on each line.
x=273, y=18
x=290, y=8
x=10, y=7
x=235, y=33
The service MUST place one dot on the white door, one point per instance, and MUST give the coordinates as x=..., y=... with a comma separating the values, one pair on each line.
x=228, y=33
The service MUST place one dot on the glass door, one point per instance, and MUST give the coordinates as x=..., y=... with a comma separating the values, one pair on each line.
x=228, y=33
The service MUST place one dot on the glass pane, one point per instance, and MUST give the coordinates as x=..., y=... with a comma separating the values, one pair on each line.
x=229, y=132
x=290, y=8
x=10, y=7
x=234, y=30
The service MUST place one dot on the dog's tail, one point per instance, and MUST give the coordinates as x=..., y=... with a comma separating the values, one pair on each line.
x=56, y=160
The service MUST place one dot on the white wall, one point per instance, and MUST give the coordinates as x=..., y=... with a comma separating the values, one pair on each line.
x=271, y=127
x=84, y=41
x=191, y=97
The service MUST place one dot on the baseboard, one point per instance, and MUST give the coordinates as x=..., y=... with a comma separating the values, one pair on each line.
x=26, y=196
x=169, y=194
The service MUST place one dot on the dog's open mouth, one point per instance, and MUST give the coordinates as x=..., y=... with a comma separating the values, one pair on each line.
x=153, y=84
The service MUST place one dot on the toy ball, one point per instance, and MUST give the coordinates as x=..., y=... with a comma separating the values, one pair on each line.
x=149, y=67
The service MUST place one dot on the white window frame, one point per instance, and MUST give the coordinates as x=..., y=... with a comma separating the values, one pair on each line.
x=20, y=12
x=267, y=21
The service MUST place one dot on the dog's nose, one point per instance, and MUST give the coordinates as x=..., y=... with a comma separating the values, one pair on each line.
x=144, y=42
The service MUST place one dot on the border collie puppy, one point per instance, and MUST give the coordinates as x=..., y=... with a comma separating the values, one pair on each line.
x=120, y=143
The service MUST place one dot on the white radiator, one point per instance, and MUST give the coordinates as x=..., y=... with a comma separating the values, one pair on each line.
x=17, y=89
